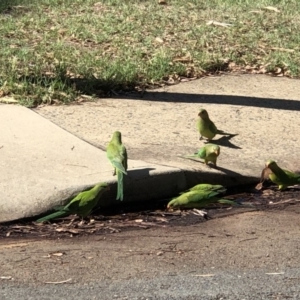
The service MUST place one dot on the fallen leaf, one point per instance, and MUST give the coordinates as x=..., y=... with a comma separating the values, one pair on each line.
x=199, y=212
x=283, y=49
x=161, y=219
x=278, y=71
x=259, y=186
x=7, y=99
x=59, y=282
x=272, y=8
x=57, y=254
x=74, y=231
x=255, y=11
x=183, y=59
x=138, y=220
x=216, y=23
x=13, y=245
x=159, y=40
x=204, y=275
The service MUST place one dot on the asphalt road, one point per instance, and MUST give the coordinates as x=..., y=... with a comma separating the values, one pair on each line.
x=238, y=284
x=252, y=255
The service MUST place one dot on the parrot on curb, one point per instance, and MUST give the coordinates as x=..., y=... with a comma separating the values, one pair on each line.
x=81, y=205
x=283, y=178
x=117, y=155
x=200, y=197
x=206, y=126
x=209, y=152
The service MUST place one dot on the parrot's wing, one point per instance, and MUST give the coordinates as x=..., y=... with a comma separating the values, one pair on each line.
x=294, y=176
x=115, y=156
x=85, y=201
x=212, y=127
x=202, y=152
x=208, y=187
x=192, y=197
x=118, y=165
x=125, y=157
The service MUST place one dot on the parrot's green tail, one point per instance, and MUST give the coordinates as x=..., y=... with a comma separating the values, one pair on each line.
x=226, y=133
x=226, y=201
x=233, y=203
x=191, y=156
x=120, y=177
x=52, y=216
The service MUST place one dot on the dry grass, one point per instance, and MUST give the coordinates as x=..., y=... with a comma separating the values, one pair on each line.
x=56, y=51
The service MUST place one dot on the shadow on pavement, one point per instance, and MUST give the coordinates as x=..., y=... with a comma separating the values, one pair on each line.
x=225, y=142
x=138, y=173
x=223, y=99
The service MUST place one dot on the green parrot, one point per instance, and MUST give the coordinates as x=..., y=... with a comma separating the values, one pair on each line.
x=117, y=155
x=206, y=126
x=198, y=199
x=81, y=205
x=283, y=178
x=209, y=152
x=208, y=187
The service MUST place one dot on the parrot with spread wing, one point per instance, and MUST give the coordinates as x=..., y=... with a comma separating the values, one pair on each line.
x=199, y=198
x=81, y=205
x=117, y=155
x=208, y=187
x=206, y=126
x=209, y=152
x=283, y=178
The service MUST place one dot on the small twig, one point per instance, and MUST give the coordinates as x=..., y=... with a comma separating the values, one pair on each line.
x=59, y=282
x=204, y=275
x=284, y=201
x=255, y=238
x=22, y=259
x=6, y=277
x=76, y=165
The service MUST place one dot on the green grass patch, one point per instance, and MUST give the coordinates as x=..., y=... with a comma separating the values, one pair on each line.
x=58, y=50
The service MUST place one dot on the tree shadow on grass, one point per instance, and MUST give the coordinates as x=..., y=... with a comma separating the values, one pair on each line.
x=12, y=7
